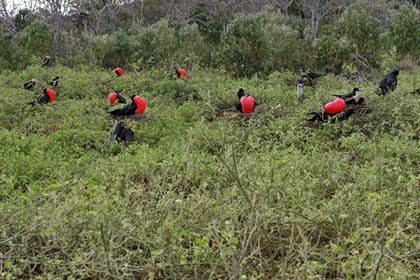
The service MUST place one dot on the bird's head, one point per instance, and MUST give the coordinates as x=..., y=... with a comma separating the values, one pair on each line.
x=127, y=126
x=299, y=86
x=396, y=73
x=132, y=97
x=241, y=93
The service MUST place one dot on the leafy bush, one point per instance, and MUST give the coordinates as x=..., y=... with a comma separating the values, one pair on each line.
x=157, y=44
x=121, y=49
x=6, y=55
x=288, y=50
x=98, y=47
x=246, y=51
x=362, y=30
x=332, y=53
x=191, y=46
x=36, y=39
x=404, y=30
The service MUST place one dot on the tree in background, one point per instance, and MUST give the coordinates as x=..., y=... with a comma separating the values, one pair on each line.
x=404, y=31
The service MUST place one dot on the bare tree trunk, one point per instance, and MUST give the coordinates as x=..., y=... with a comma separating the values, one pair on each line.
x=6, y=16
x=317, y=9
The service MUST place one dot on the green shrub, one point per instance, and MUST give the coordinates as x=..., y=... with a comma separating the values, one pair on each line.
x=98, y=47
x=157, y=44
x=404, y=31
x=363, y=31
x=191, y=46
x=6, y=54
x=36, y=39
x=121, y=49
x=332, y=53
x=246, y=50
x=288, y=50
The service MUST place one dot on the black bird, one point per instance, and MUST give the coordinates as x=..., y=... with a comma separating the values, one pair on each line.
x=249, y=104
x=46, y=61
x=127, y=110
x=310, y=74
x=337, y=108
x=55, y=81
x=310, y=77
x=388, y=83
x=123, y=132
x=42, y=99
x=29, y=85
x=352, y=97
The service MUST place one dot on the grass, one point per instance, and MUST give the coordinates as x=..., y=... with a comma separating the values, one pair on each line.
x=204, y=193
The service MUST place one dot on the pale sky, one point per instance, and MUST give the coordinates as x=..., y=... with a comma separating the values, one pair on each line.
x=16, y=3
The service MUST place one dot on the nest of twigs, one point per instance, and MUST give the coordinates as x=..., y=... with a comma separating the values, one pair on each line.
x=136, y=118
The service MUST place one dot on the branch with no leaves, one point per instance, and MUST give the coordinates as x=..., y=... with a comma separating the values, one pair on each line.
x=7, y=10
x=362, y=61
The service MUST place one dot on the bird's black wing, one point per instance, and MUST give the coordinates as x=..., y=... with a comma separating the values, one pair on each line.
x=121, y=99
x=45, y=61
x=383, y=82
x=390, y=80
x=43, y=98
x=115, y=112
x=117, y=131
x=346, y=95
x=313, y=75
x=393, y=83
x=127, y=110
x=239, y=106
x=346, y=114
x=28, y=85
x=128, y=135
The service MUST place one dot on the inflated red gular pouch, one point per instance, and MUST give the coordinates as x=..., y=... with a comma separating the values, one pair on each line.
x=51, y=94
x=118, y=71
x=248, y=104
x=141, y=104
x=335, y=106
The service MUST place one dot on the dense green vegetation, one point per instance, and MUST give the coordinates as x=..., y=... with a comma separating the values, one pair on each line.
x=205, y=192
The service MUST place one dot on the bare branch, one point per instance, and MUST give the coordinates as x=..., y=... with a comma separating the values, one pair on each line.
x=7, y=11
